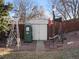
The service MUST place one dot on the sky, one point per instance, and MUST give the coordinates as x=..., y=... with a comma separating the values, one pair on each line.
x=6, y=1
x=44, y=3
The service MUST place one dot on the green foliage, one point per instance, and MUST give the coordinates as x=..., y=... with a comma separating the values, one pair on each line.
x=4, y=11
x=3, y=25
x=1, y=1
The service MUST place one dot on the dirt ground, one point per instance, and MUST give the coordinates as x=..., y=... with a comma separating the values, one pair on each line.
x=68, y=50
x=72, y=40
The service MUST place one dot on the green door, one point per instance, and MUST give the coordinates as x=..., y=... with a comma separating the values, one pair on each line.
x=28, y=34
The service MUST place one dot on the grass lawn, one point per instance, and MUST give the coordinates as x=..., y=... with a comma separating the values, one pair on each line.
x=70, y=53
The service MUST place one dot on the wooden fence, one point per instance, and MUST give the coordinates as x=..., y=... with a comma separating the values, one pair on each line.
x=67, y=26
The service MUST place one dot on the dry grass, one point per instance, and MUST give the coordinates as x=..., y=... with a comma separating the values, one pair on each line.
x=70, y=53
x=4, y=51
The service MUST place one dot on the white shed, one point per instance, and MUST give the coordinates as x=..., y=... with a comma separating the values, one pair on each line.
x=39, y=29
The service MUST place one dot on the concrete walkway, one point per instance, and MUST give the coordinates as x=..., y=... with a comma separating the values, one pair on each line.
x=40, y=45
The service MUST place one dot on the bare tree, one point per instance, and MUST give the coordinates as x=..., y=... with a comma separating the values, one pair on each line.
x=72, y=7
x=28, y=10
x=59, y=8
x=69, y=9
x=21, y=7
x=24, y=7
x=36, y=12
